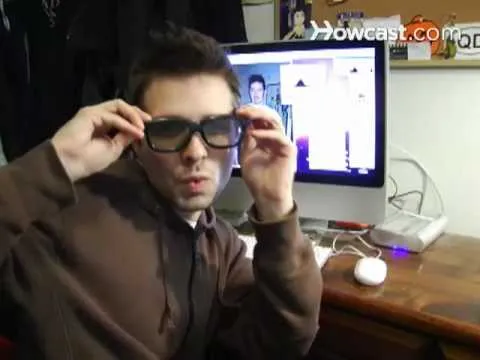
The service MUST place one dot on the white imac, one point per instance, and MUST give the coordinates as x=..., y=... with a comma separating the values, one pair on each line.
x=331, y=96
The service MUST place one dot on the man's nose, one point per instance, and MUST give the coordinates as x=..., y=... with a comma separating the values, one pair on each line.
x=195, y=150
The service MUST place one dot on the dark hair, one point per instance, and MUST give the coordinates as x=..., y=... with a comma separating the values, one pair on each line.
x=178, y=51
x=256, y=78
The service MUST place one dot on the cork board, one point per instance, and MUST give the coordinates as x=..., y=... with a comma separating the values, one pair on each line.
x=435, y=10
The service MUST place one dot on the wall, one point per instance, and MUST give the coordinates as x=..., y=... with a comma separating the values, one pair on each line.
x=259, y=22
x=434, y=115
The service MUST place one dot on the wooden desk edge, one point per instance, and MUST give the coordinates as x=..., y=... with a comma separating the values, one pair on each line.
x=422, y=322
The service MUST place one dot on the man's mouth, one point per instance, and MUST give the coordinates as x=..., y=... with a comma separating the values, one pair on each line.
x=195, y=184
x=190, y=179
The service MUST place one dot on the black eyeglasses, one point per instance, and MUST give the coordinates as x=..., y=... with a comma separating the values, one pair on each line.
x=172, y=134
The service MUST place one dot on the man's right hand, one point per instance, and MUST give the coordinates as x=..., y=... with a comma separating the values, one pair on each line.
x=85, y=145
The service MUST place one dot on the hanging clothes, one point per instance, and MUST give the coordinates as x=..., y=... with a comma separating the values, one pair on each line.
x=41, y=88
x=78, y=53
x=14, y=83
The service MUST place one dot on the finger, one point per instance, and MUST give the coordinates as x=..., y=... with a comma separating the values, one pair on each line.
x=269, y=134
x=109, y=121
x=112, y=148
x=120, y=142
x=248, y=144
x=261, y=116
x=146, y=116
x=273, y=140
x=129, y=112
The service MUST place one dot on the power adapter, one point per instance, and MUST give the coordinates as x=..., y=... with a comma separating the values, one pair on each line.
x=408, y=231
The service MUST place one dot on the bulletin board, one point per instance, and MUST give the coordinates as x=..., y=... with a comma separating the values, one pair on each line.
x=434, y=10
x=437, y=11
x=466, y=11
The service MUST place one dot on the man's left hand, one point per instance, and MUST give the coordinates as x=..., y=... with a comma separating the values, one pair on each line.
x=268, y=162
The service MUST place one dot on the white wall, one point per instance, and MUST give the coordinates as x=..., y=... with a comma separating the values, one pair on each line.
x=435, y=115
x=259, y=21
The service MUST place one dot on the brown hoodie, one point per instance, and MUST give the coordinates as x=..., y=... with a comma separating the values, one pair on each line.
x=105, y=269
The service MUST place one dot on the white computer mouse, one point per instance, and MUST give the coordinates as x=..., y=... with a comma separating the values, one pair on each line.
x=370, y=271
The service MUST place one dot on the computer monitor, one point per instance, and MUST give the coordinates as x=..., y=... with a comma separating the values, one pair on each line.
x=331, y=96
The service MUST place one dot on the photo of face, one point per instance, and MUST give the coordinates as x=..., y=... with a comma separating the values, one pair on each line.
x=257, y=93
x=257, y=88
x=295, y=17
x=299, y=18
x=260, y=85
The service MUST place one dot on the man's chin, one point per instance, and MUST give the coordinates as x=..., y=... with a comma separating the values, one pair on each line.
x=194, y=204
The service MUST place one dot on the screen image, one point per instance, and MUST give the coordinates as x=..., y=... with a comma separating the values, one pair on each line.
x=326, y=102
x=260, y=85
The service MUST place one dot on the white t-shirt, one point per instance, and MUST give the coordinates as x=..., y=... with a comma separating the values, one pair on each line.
x=192, y=223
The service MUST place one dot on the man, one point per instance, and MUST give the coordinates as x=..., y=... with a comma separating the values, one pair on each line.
x=257, y=92
x=103, y=258
x=297, y=30
x=256, y=89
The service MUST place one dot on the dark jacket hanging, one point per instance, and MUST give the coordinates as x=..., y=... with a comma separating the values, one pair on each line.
x=79, y=53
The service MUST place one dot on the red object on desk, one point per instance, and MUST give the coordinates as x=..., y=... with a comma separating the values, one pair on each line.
x=352, y=226
x=6, y=349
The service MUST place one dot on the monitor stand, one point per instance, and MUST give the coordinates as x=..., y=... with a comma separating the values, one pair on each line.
x=310, y=225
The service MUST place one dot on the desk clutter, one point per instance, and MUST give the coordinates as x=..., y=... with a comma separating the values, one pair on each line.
x=322, y=253
x=369, y=270
x=427, y=308
x=409, y=227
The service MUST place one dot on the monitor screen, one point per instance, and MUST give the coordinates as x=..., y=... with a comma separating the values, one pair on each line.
x=330, y=98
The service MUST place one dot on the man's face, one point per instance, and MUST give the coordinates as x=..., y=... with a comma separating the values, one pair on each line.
x=256, y=92
x=192, y=177
x=299, y=18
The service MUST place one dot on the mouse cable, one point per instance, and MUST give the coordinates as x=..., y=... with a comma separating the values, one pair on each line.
x=352, y=250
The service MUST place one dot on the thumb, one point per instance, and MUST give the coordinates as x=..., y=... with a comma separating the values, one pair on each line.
x=248, y=144
x=119, y=143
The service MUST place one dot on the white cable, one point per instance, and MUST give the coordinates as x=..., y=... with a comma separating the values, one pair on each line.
x=412, y=158
x=413, y=214
x=425, y=171
x=362, y=240
x=425, y=178
x=352, y=250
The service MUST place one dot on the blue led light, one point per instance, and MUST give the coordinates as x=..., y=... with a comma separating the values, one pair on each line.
x=400, y=250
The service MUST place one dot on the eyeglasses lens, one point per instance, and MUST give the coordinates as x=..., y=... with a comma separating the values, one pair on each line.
x=174, y=134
